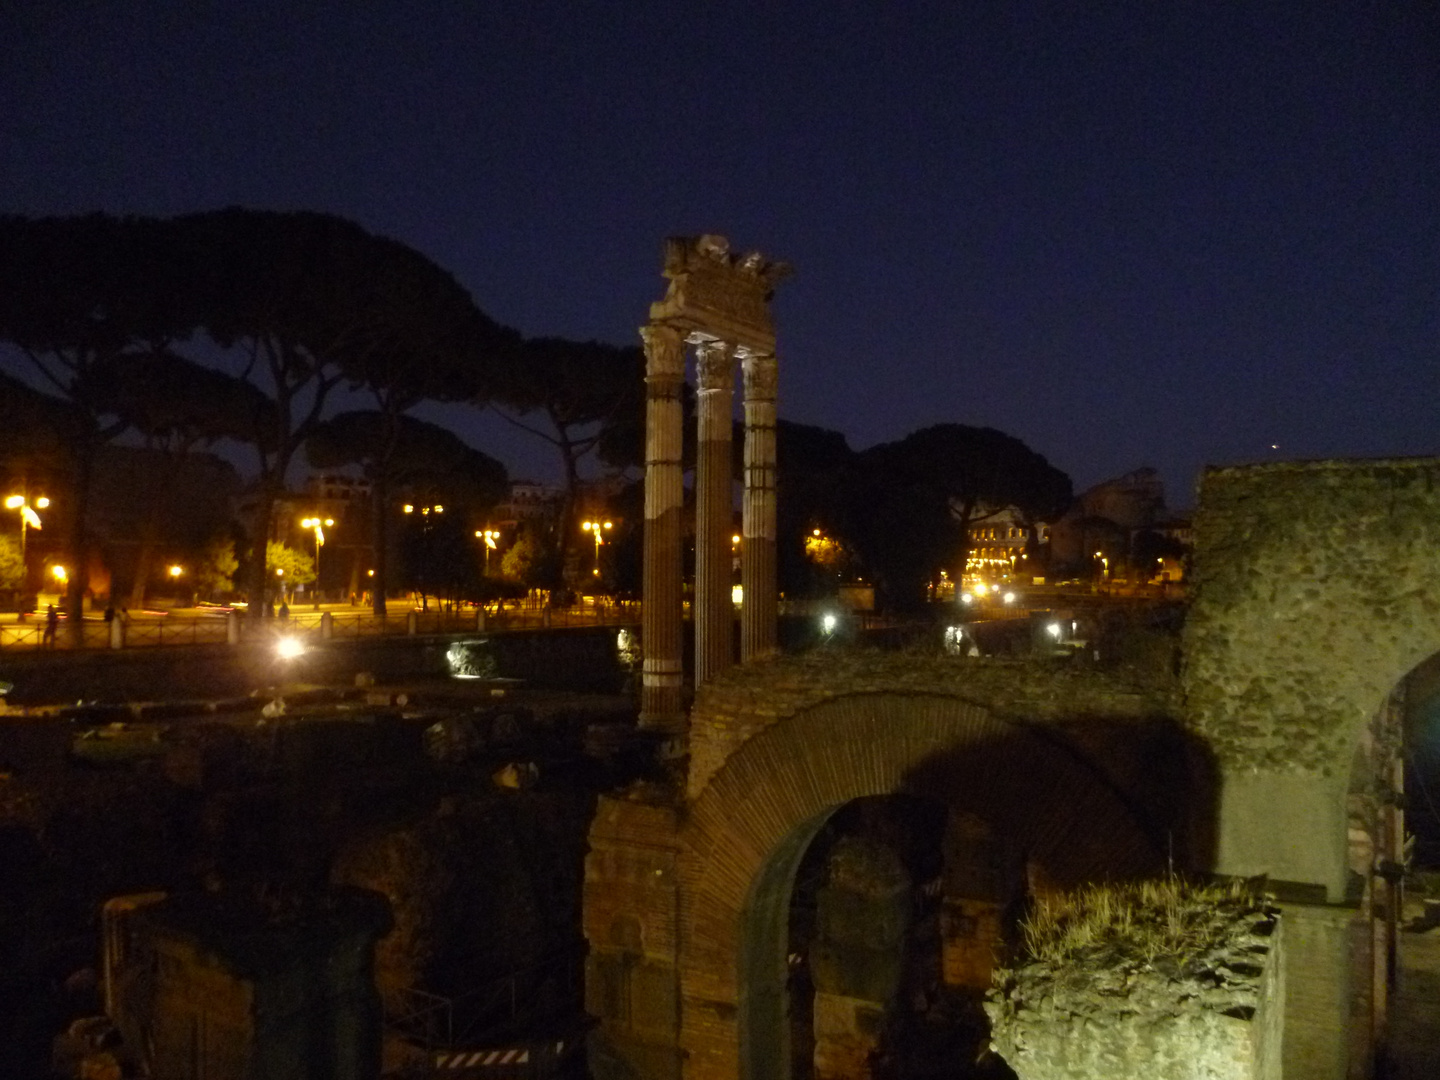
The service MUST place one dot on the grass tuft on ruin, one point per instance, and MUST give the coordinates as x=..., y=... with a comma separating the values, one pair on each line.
x=1135, y=921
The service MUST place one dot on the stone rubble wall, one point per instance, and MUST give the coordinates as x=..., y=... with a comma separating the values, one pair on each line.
x=1219, y=1019
x=1315, y=592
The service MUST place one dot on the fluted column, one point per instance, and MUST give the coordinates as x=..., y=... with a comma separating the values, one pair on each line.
x=758, y=613
x=660, y=707
x=714, y=610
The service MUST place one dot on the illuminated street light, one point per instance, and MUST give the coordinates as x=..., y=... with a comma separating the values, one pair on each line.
x=176, y=571
x=60, y=575
x=595, y=528
x=28, y=518
x=317, y=525
x=489, y=536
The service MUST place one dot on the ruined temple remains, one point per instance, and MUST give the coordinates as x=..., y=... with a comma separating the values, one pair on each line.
x=718, y=303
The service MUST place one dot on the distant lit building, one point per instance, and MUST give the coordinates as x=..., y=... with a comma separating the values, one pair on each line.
x=1116, y=524
x=1001, y=543
x=337, y=488
x=529, y=502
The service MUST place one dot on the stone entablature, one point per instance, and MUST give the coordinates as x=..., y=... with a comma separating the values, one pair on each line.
x=719, y=294
x=746, y=701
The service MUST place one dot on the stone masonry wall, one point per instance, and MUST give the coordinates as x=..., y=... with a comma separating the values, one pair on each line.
x=1316, y=589
x=1218, y=1015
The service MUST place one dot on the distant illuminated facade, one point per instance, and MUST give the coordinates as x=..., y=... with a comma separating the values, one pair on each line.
x=1001, y=543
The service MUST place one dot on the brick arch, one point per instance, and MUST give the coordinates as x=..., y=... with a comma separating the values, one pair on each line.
x=747, y=830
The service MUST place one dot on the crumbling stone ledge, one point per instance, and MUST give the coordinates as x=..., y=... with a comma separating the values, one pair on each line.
x=1165, y=979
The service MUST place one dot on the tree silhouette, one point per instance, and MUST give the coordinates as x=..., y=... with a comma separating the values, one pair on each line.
x=909, y=505
x=78, y=294
x=399, y=452
x=304, y=302
x=584, y=390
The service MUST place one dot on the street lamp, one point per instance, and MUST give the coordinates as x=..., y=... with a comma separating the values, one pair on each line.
x=316, y=524
x=28, y=518
x=1104, y=565
x=489, y=536
x=596, y=528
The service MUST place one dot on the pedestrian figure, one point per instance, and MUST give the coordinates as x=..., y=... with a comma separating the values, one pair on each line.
x=109, y=613
x=284, y=610
x=52, y=623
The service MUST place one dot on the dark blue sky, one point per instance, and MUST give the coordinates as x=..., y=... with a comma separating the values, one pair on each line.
x=1135, y=233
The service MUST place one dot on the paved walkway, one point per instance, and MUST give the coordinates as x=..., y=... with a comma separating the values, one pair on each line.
x=1414, y=1042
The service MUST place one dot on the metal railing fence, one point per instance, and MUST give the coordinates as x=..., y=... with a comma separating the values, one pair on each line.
x=171, y=630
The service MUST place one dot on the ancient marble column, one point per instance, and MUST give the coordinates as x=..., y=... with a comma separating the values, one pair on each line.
x=660, y=707
x=759, y=608
x=714, y=610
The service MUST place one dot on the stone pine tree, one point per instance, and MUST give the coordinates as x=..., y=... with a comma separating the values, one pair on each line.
x=175, y=407
x=577, y=391
x=78, y=295
x=304, y=302
x=396, y=452
x=439, y=347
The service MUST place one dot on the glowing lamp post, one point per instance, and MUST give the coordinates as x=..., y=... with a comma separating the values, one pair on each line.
x=596, y=529
x=318, y=526
x=489, y=536
x=29, y=519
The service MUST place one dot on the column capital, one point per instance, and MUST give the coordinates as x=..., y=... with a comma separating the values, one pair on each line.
x=761, y=375
x=664, y=352
x=715, y=365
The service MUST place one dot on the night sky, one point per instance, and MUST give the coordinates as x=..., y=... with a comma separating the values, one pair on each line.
x=1147, y=233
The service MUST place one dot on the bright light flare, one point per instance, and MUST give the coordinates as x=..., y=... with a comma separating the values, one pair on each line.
x=288, y=648
x=966, y=598
x=1053, y=630
x=1009, y=598
x=828, y=623
x=14, y=502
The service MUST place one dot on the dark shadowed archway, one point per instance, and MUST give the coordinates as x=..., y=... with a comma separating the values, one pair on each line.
x=746, y=834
